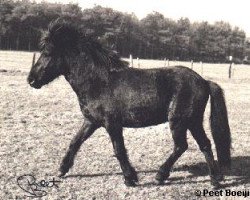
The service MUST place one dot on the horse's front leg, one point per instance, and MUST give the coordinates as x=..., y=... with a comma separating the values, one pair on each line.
x=83, y=134
x=129, y=173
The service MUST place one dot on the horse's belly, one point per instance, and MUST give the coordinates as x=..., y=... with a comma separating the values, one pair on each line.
x=142, y=117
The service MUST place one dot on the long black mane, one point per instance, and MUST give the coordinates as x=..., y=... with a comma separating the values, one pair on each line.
x=65, y=38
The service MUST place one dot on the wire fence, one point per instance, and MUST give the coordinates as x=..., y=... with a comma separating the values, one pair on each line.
x=209, y=70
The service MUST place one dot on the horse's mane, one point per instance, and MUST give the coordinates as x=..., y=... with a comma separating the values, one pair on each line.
x=65, y=38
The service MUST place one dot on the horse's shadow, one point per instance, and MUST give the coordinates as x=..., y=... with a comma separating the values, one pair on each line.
x=239, y=173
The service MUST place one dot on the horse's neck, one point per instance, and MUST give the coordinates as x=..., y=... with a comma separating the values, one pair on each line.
x=85, y=81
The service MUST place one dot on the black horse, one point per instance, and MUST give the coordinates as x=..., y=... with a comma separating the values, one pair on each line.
x=114, y=96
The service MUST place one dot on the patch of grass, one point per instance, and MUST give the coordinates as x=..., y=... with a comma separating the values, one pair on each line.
x=37, y=126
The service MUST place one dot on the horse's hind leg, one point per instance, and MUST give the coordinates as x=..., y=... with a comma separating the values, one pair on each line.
x=179, y=134
x=205, y=146
x=115, y=133
x=83, y=134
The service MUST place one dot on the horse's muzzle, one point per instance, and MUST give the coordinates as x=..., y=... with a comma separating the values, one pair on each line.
x=34, y=84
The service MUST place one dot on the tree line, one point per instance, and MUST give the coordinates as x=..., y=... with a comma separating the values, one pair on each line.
x=153, y=37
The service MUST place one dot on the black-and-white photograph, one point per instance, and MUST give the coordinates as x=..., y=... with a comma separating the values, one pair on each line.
x=122, y=99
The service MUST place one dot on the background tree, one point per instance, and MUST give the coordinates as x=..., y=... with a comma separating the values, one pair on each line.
x=155, y=37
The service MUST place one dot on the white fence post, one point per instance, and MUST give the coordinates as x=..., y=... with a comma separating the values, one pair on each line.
x=138, y=62
x=131, y=60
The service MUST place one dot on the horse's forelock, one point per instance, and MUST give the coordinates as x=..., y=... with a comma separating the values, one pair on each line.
x=46, y=46
x=61, y=36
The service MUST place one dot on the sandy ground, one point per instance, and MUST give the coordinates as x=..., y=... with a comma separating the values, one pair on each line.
x=36, y=127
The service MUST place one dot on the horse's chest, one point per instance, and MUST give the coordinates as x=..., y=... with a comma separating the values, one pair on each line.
x=94, y=112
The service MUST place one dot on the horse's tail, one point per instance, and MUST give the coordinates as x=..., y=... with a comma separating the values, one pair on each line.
x=219, y=125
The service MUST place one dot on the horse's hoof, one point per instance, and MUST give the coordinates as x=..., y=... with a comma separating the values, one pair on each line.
x=216, y=185
x=160, y=182
x=130, y=183
x=61, y=174
x=134, y=177
x=215, y=180
x=161, y=177
x=63, y=170
x=219, y=177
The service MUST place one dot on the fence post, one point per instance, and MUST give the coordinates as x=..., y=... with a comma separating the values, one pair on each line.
x=192, y=63
x=230, y=70
x=131, y=60
x=230, y=67
x=34, y=59
x=233, y=69
x=138, y=62
x=201, y=67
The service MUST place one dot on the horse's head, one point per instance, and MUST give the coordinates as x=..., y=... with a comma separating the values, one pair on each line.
x=66, y=49
x=57, y=42
x=46, y=69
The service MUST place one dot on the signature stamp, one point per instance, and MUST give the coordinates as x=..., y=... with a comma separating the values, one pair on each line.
x=33, y=188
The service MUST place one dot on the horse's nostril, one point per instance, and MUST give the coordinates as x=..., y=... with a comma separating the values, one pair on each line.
x=32, y=82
